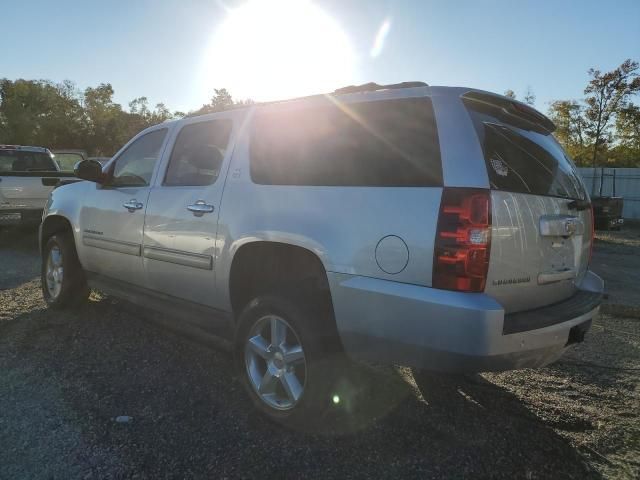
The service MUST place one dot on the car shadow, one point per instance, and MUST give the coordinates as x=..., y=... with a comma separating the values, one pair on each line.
x=607, y=356
x=19, y=256
x=191, y=417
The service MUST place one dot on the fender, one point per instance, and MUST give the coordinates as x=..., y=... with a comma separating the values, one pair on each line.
x=63, y=203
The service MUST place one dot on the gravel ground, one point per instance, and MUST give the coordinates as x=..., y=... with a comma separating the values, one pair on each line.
x=66, y=377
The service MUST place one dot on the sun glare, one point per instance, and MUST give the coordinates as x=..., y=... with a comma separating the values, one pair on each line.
x=278, y=49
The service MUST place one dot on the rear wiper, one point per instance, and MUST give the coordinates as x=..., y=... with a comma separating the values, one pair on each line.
x=578, y=205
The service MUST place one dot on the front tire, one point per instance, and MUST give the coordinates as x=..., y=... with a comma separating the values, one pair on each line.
x=63, y=280
x=282, y=362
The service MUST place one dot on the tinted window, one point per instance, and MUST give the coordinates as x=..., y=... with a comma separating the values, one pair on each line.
x=134, y=167
x=384, y=143
x=525, y=161
x=198, y=153
x=21, y=161
x=67, y=161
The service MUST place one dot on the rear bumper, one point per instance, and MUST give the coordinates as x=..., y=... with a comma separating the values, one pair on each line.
x=20, y=216
x=389, y=322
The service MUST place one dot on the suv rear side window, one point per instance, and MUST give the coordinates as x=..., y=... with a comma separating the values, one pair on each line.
x=525, y=161
x=21, y=161
x=198, y=153
x=392, y=143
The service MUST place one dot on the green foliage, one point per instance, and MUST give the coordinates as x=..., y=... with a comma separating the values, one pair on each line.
x=568, y=117
x=529, y=97
x=607, y=94
x=604, y=127
x=40, y=112
x=221, y=101
x=628, y=127
x=58, y=116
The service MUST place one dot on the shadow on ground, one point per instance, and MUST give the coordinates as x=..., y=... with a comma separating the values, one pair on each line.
x=20, y=248
x=191, y=417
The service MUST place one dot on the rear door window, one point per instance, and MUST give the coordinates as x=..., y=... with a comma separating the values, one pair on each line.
x=390, y=143
x=198, y=153
x=525, y=161
x=21, y=161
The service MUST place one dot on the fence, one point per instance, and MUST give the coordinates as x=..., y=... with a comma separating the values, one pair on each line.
x=627, y=186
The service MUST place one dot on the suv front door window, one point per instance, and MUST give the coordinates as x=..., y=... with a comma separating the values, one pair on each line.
x=112, y=215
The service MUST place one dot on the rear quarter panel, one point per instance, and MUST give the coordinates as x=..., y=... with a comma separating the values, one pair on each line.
x=341, y=225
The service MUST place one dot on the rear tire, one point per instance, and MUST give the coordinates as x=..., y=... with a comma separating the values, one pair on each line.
x=282, y=361
x=63, y=281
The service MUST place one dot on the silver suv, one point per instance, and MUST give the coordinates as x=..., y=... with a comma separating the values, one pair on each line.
x=435, y=227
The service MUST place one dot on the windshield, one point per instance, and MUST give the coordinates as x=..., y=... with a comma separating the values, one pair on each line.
x=21, y=161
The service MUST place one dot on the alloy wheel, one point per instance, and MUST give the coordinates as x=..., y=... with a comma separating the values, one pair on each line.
x=55, y=272
x=275, y=362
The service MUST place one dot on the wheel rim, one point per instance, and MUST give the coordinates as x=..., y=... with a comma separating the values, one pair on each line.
x=275, y=363
x=55, y=272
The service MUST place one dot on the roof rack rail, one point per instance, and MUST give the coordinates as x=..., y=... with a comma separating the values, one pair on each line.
x=371, y=87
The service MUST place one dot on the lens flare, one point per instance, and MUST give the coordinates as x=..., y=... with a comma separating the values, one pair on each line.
x=277, y=49
x=381, y=36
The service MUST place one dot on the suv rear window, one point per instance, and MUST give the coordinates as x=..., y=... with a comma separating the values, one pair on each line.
x=390, y=143
x=21, y=161
x=525, y=161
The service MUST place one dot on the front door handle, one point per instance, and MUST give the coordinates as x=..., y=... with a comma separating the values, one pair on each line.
x=132, y=205
x=200, y=208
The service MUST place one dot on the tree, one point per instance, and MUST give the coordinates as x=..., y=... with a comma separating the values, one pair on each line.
x=626, y=153
x=607, y=94
x=107, y=123
x=221, y=100
x=628, y=127
x=529, y=97
x=568, y=118
x=39, y=112
x=510, y=93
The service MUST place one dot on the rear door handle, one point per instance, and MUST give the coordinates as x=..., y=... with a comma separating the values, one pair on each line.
x=132, y=205
x=200, y=208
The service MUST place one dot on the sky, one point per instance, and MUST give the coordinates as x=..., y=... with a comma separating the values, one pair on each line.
x=177, y=52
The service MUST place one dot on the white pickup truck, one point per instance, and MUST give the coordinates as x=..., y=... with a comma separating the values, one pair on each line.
x=27, y=176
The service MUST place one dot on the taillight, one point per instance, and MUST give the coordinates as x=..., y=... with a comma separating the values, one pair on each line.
x=463, y=240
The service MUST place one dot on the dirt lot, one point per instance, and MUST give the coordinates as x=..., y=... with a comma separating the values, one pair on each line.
x=65, y=377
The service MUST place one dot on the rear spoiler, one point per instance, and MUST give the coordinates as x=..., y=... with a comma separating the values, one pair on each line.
x=509, y=111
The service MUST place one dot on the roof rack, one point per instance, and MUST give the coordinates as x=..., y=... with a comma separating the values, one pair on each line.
x=367, y=87
x=371, y=87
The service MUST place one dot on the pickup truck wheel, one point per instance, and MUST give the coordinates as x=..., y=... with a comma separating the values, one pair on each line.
x=281, y=361
x=63, y=281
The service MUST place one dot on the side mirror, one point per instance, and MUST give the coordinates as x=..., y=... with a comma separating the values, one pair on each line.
x=88, y=170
